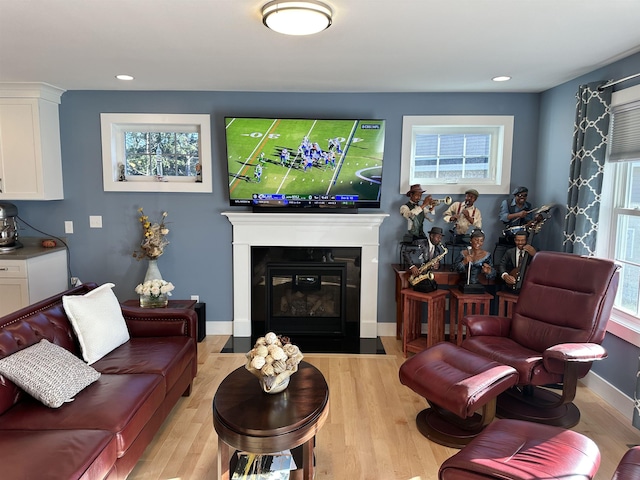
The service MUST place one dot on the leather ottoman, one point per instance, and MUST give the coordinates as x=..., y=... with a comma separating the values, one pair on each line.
x=456, y=383
x=520, y=450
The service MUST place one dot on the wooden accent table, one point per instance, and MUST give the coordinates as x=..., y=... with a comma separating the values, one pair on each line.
x=444, y=276
x=250, y=420
x=506, y=302
x=412, y=340
x=465, y=304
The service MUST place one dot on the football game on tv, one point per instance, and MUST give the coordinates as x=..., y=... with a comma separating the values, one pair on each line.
x=277, y=162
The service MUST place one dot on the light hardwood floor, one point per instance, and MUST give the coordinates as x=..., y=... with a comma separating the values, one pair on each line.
x=370, y=433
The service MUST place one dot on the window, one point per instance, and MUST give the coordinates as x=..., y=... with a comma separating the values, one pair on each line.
x=619, y=238
x=156, y=153
x=452, y=153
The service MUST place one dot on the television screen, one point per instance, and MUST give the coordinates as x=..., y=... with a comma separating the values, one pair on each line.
x=281, y=162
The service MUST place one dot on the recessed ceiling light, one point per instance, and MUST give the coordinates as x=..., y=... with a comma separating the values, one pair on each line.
x=124, y=77
x=501, y=78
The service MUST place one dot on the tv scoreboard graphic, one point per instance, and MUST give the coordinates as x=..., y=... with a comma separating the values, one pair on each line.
x=281, y=199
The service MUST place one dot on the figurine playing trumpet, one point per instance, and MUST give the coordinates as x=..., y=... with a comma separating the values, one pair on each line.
x=416, y=209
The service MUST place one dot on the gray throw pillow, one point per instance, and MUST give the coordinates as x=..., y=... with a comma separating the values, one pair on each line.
x=47, y=372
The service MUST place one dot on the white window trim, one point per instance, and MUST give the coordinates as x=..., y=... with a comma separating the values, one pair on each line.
x=411, y=123
x=113, y=126
x=621, y=324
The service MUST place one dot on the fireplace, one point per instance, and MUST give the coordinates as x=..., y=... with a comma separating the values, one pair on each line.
x=306, y=230
x=306, y=291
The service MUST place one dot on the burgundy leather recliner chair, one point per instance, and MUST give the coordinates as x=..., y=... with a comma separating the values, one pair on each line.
x=553, y=336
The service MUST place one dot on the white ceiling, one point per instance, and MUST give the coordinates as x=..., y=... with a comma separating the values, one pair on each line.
x=372, y=46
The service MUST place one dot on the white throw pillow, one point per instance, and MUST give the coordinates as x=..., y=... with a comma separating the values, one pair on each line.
x=97, y=320
x=48, y=372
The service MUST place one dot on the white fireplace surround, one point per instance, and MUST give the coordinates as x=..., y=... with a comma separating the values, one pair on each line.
x=305, y=230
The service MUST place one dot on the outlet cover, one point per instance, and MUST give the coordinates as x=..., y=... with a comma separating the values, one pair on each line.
x=195, y=297
x=95, y=221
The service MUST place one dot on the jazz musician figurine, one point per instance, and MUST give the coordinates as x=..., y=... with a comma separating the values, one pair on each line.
x=464, y=215
x=517, y=214
x=415, y=211
x=514, y=262
x=474, y=262
x=432, y=251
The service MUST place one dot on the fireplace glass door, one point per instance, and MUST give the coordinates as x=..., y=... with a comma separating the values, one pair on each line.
x=306, y=298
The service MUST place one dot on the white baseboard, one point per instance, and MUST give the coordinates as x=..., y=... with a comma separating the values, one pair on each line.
x=610, y=394
x=219, y=328
x=387, y=329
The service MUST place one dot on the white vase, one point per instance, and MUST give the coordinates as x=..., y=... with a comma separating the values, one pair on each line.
x=149, y=301
x=153, y=273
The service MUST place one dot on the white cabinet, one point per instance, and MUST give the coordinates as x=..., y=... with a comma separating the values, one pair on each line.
x=30, y=157
x=23, y=282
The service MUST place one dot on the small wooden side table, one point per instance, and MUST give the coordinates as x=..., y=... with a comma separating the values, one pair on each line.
x=443, y=276
x=412, y=339
x=506, y=302
x=465, y=304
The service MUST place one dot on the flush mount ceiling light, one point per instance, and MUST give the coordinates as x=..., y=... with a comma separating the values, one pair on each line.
x=124, y=77
x=501, y=78
x=296, y=18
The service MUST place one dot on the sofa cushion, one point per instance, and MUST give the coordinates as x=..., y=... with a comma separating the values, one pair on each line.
x=48, y=372
x=97, y=320
x=166, y=356
x=121, y=404
x=56, y=454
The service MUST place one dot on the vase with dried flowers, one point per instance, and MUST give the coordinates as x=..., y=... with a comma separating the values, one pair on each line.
x=151, y=247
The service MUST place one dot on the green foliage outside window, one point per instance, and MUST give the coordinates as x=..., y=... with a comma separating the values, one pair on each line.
x=173, y=154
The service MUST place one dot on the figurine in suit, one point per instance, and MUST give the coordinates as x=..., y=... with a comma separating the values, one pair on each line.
x=511, y=264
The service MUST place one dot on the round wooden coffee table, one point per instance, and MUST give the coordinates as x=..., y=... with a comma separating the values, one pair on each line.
x=250, y=420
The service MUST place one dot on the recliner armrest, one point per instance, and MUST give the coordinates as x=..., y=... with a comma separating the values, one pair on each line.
x=556, y=356
x=487, y=325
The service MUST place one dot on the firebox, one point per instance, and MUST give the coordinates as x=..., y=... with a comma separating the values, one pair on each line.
x=306, y=298
x=306, y=291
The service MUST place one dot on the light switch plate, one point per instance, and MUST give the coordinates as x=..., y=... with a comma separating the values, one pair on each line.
x=68, y=226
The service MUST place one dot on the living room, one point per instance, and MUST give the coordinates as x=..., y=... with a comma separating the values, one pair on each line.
x=199, y=259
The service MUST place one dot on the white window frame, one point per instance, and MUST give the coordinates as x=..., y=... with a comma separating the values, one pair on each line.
x=113, y=128
x=622, y=324
x=499, y=161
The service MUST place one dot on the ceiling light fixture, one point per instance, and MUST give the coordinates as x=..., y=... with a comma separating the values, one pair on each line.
x=296, y=18
x=124, y=77
x=501, y=78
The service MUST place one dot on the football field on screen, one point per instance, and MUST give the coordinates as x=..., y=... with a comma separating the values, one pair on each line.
x=358, y=169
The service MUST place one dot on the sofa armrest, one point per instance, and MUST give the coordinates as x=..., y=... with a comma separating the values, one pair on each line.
x=160, y=322
x=487, y=325
x=555, y=357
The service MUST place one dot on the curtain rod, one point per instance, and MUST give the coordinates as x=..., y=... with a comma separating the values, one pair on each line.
x=611, y=83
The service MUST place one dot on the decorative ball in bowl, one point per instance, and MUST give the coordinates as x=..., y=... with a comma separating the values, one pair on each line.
x=273, y=359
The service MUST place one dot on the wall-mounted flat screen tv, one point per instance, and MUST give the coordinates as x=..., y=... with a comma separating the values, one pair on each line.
x=304, y=163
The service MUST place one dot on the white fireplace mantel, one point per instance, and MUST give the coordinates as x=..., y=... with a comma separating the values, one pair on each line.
x=305, y=230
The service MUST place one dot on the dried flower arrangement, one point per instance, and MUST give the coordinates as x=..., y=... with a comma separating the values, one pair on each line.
x=153, y=237
x=273, y=359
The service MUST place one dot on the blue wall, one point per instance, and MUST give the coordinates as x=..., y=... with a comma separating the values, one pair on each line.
x=199, y=258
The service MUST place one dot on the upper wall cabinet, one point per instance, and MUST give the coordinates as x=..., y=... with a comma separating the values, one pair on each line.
x=30, y=158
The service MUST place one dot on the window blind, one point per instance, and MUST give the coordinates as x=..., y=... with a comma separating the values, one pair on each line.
x=625, y=133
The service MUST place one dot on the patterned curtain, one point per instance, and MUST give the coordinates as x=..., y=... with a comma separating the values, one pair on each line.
x=587, y=166
x=636, y=401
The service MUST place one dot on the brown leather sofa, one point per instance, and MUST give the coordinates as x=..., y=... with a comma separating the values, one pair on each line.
x=103, y=432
